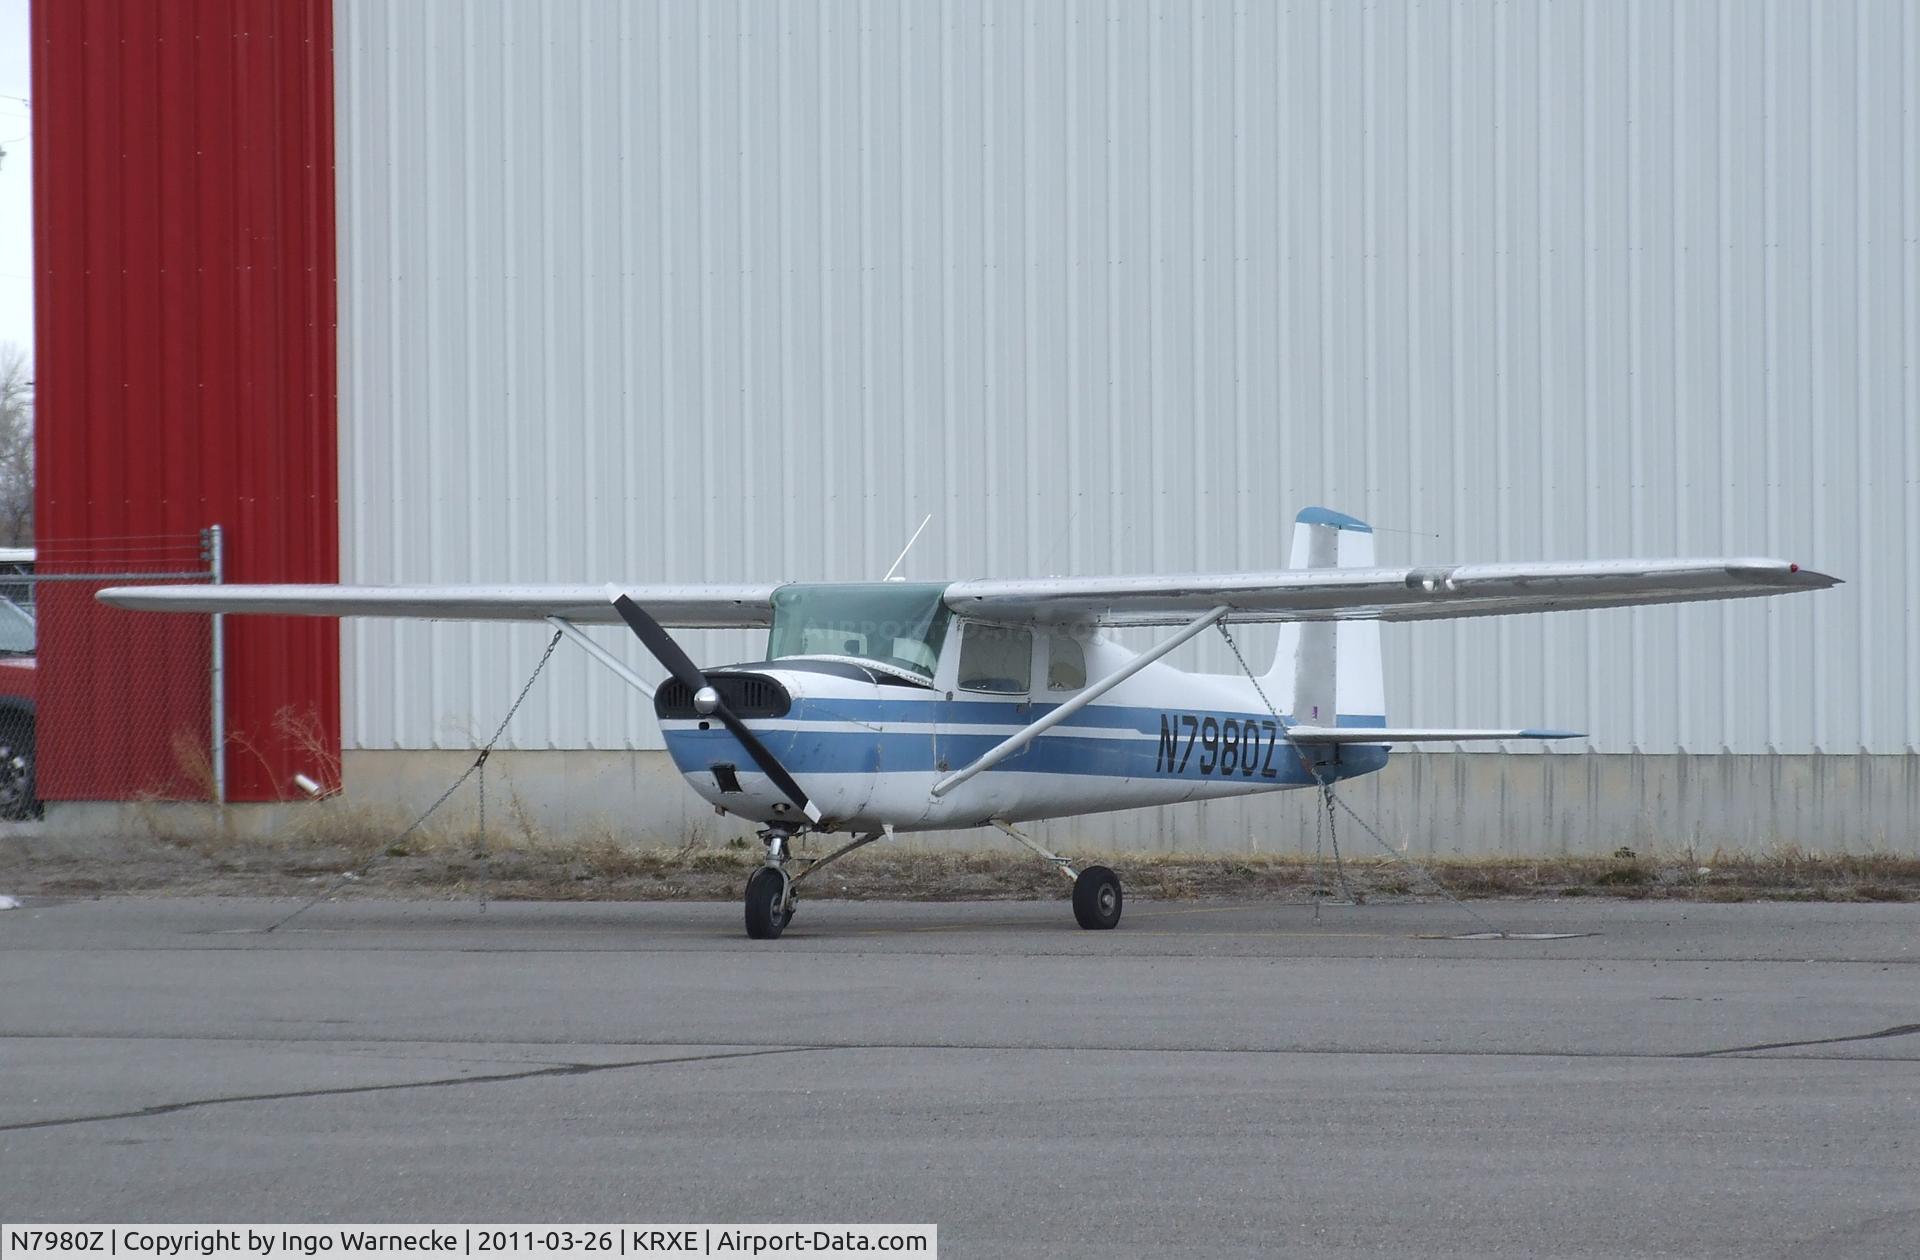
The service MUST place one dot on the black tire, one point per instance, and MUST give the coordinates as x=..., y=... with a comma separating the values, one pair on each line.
x=17, y=796
x=1097, y=899
x=767, y=913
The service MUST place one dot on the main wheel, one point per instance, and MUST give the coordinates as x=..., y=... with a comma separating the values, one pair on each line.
x=767, y=912
x=1096, y=898
x=16, y=768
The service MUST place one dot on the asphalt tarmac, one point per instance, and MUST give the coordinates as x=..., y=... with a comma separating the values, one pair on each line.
x=1211, y=1079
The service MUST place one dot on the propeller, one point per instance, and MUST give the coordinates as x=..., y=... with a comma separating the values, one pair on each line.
x=706, y=697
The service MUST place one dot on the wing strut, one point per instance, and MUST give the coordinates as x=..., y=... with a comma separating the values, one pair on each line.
x=601, y=654
x=1025, y=735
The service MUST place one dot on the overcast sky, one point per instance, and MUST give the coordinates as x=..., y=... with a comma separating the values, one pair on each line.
x=16, y=180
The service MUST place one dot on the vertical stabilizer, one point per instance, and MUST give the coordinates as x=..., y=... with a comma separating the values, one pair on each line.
x=1330, y=670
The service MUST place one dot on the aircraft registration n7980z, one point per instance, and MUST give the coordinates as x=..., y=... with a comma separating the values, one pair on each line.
x=902, y=706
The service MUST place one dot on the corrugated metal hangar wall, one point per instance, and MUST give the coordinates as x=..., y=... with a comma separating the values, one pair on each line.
x=743, y=290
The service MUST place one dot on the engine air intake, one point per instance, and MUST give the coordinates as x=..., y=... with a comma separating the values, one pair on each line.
x=748, y=695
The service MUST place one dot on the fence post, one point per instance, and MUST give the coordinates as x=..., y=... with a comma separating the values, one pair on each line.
x=216, y=568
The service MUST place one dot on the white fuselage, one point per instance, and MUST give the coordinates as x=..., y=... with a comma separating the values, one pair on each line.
x=869, y=753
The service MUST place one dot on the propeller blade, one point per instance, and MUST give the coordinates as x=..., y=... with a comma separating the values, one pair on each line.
x=670, y=654
x=658, y=641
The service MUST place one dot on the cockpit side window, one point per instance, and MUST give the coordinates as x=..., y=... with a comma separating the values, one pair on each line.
x=996, y=658
x=1066, y=663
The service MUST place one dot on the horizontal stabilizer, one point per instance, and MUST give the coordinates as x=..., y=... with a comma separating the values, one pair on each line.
x=1413, y=735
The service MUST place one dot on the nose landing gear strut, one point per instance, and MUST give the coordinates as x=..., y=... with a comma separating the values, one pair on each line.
x=772, y=892
x=770, y=899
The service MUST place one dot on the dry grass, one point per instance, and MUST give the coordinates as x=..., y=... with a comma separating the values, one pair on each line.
x=516, y=860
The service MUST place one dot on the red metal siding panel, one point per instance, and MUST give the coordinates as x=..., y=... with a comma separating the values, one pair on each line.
x=185, y=366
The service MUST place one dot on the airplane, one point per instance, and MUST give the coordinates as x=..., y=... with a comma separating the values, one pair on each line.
x=895, y=706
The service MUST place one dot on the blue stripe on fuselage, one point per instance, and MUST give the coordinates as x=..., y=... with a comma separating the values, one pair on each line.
x=818, y=748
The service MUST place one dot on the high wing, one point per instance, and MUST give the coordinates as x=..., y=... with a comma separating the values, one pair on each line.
x=1411, y=594
x=1413, y=734
x=710, y=607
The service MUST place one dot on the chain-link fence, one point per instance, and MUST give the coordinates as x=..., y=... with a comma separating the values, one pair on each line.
x=102, y=704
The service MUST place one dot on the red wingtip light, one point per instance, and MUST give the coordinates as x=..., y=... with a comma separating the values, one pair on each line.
x=1793, y=568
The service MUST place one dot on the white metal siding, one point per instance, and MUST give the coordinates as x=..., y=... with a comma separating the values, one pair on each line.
x=741, y=290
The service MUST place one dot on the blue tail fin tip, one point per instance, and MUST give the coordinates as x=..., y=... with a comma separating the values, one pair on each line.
x=1327, y=516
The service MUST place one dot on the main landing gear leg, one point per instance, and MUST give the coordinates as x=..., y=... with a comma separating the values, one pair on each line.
x=1096, y=890
x=770, y=898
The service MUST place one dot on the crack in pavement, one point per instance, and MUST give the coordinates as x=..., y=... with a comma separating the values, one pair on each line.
x=1898, y=1030
x=568, y=1069
x=587, y=1069
x=966, y=1047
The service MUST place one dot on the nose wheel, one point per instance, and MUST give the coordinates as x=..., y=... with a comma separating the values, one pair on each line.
x=770, y=897
x=769, y=905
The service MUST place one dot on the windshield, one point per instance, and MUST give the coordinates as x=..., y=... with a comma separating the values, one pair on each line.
x=897, y=624
x=16, y=629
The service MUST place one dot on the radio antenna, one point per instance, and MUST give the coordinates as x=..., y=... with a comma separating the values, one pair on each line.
x=901, y=558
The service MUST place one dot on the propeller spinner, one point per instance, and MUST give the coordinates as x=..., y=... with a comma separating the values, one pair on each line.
x=707, y=698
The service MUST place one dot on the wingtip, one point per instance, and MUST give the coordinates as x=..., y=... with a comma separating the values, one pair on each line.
x=1546, y=734
x=1784, y=574
x=140, y=598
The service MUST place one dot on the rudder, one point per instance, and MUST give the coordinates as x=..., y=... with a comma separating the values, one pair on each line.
x=1331, y=670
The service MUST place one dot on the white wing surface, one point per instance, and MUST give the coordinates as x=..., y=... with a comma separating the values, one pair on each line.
x=1414, y=594
x=681, y=607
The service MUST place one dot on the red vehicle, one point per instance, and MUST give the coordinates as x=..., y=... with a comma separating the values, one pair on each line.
x=18, y=709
